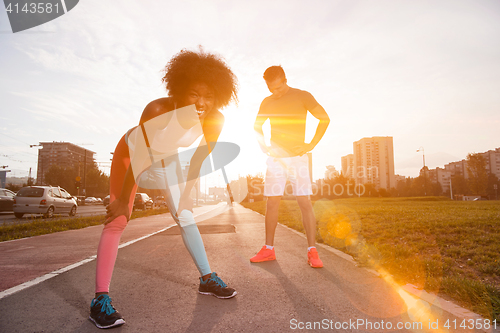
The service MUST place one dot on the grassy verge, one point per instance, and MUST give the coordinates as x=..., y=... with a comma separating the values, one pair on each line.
x=446, y=247
x=42, y=227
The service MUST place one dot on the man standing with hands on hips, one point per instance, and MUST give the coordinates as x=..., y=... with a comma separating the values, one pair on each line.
x=286, y=110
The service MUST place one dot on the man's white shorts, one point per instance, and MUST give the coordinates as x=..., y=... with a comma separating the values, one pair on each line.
x=295, y=169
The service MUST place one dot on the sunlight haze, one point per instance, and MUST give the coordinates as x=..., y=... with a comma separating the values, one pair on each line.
x=426, y=73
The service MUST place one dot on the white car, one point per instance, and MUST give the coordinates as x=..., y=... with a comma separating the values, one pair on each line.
x=46, y=200
x=91, y=200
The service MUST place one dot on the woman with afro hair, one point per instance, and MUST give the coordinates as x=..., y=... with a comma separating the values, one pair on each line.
x=198, y=85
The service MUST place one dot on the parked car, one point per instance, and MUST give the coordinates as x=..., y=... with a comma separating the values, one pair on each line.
x=90, y=200
x=80, y=200
x=46, y=200
x=6, y=200
x=160, y=201
x=143, y=201
x=105, y=201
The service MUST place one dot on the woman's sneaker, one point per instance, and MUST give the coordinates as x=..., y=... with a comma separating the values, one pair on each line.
x=216, y=287
x=264, y=254
x=103, y=314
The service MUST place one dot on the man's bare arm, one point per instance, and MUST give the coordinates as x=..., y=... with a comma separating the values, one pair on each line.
x=319, y=113
x=259, y=122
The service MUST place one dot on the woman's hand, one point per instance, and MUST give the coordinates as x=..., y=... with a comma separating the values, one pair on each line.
x=115, y=209
x=185, y=203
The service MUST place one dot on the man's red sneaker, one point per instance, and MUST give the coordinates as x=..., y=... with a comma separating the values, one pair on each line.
x=264, y=255
x=313, y=258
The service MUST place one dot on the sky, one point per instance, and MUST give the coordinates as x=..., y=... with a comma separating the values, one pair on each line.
x=426, y=73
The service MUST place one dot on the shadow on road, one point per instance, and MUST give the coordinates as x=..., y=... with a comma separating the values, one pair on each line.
x=209, y=311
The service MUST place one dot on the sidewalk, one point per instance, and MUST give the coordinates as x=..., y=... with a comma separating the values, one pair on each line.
x=155, y=285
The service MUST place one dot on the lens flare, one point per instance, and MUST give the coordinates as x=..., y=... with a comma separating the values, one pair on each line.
x=340, y=226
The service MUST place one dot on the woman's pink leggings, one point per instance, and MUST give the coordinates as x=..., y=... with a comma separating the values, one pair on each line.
x=110, y=237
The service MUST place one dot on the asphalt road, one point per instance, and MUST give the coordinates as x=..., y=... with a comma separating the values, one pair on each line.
x=155, y=284
x=87, y=210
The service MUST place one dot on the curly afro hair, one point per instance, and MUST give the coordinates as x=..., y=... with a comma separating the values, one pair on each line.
x=188, y=67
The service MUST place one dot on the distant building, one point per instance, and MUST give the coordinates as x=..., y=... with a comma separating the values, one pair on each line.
x=3, y=178
x=441, y=176
x=400, y=178
x=492, y=158
x=331, y=172
x=62, y=154
x=374, y=162
x=195, y=191
x=217, y=192
x=239, y=188
x=348, y=166
x=457, y=168
x=493, y=161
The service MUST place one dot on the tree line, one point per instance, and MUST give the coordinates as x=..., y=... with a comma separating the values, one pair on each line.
x=96, y=181
x=479, y=181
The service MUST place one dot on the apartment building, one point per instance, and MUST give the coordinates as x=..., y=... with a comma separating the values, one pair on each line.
x=457, y=168
x=492, y=158
x=373, y=161
x=441, y=176
x=400, y=178
x=493, y=161
x=348, y=166
x=63, y=154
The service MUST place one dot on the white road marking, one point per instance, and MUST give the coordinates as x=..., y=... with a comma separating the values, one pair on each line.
x=55, y=273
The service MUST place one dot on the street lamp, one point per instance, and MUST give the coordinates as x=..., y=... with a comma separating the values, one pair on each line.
x=451, y=189
x=425, y=177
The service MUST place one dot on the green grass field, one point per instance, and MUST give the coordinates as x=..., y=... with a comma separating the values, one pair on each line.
x=38, y=226
x=446, y=247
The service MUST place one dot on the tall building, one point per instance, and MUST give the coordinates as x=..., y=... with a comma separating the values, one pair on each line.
x=493, y=161
x=62, y=154
x=492, y=158
x=457, y=168
x=374, y=162
x=348, y=166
